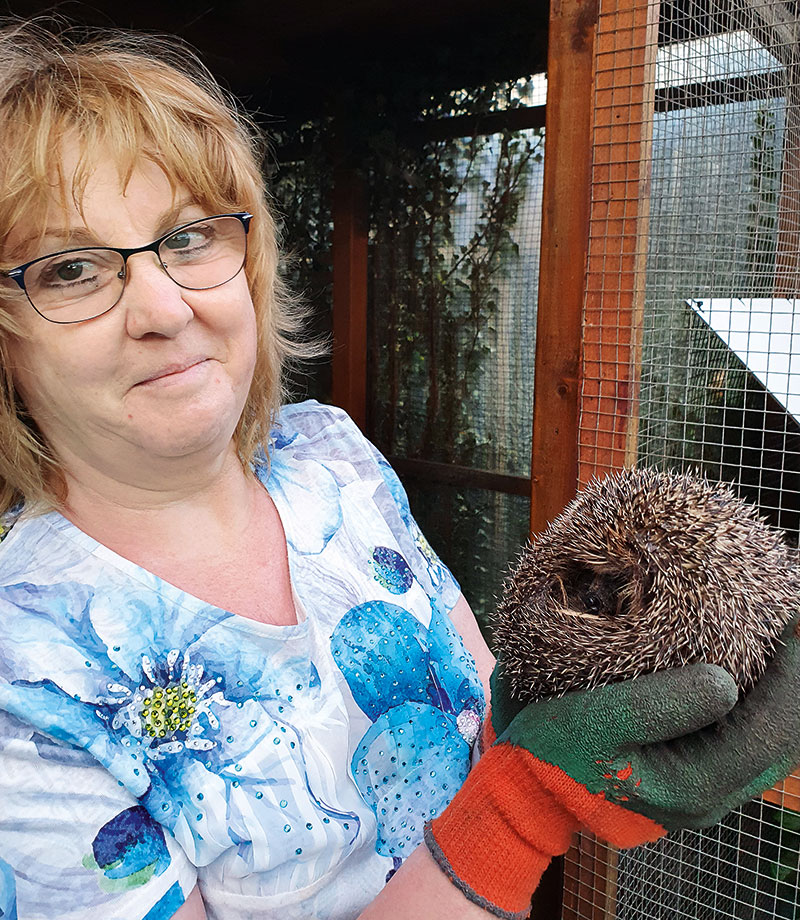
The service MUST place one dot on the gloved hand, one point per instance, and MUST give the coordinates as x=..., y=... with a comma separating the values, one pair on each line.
x=627, y=761
x=694, y=781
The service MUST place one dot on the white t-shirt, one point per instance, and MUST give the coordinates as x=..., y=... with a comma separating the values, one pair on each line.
x=150, y=741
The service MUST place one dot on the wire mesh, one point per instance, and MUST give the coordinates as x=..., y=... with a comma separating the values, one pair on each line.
x=455, y=266
x=454, y=253
x=455, y=184
x=692, y=355
x=745, y=868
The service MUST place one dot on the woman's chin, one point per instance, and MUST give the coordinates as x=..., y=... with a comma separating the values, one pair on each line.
x=184, y=428
x=183, y=438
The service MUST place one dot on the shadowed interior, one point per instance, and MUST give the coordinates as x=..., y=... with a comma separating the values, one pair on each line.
x=589, y=592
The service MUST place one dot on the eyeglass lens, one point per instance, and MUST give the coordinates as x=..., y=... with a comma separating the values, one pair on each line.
x=78, y=285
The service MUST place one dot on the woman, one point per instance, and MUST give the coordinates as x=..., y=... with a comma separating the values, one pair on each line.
x=234, y=679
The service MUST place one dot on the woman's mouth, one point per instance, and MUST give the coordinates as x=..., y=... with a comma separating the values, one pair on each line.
x=177, y=373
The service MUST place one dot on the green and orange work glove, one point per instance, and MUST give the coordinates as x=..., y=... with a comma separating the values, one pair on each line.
x=628, y=762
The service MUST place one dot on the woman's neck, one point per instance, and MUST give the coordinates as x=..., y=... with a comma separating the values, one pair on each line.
x=200, y=507
x=220, y=539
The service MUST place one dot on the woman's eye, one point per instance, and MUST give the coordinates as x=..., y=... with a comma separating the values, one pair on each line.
x=70, y=271
x=74, y=269
x=66, y=272
x=178, y=241
x=185, y=239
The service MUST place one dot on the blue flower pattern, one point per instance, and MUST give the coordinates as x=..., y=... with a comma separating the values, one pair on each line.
x=424, y=710
x=391, y=570
x=8, y=892
x=129, y=850
x=221, y=729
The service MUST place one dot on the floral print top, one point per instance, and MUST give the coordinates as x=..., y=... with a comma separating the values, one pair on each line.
x=150, y=741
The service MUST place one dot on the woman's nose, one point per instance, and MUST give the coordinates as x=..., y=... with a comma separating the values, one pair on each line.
x=152, y=301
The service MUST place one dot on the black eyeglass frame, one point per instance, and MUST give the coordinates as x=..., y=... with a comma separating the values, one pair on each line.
x=18, y=274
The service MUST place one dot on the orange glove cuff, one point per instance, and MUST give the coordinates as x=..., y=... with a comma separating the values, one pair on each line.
x=498, y=834
x=511, y=816
x=488, y=736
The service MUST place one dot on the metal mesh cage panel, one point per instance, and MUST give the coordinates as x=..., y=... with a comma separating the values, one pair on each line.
x=745, y=868
x=455, y=267
x=692, y=354
x=454, y=250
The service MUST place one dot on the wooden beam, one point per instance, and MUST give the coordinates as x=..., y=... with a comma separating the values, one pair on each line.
x=786, y=793
x=769, y=85
x=350, y=234
x=565, y=233
x=464, y=477
x=440, y=129
x=627, y=44
x=590, y=880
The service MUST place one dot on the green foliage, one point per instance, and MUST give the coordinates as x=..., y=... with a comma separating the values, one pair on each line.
x=300, y=187
x=444, y=212
x=441, y=241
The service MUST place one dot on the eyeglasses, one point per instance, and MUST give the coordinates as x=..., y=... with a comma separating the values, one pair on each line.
x=80, y=284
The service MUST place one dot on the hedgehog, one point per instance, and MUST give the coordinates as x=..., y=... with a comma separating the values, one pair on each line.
x=645, y=570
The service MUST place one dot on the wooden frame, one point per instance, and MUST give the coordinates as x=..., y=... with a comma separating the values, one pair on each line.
x=565, y=222
x=624, y=99
x=350, y=286
x=786, y=793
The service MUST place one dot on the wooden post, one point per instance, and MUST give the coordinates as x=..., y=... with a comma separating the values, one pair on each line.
x=624, y=101
x=590, y=879
x=562, y=270
x=565, y=234
x=786, y=793
x=350, y=233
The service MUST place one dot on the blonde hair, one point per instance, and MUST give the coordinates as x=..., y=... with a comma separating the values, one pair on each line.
x=162, y=103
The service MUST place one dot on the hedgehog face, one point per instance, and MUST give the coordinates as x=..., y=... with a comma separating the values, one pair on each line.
x=645, y=570
x=587, y=592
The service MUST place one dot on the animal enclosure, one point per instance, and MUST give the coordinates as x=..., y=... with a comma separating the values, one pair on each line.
x=534, y=280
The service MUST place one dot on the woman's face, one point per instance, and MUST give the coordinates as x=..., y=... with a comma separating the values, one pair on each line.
x=165, y=374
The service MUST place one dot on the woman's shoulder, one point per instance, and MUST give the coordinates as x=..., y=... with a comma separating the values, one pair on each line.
x=326, y=434
x=32, y=548
x=313, y=419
